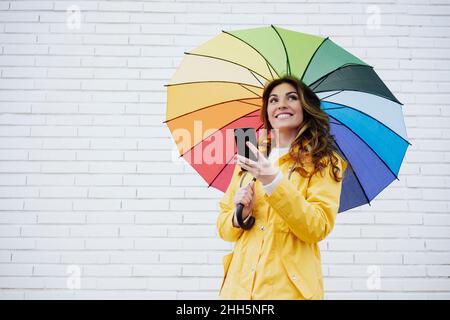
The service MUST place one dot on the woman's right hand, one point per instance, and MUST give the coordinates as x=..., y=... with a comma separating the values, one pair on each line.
x=246, y=196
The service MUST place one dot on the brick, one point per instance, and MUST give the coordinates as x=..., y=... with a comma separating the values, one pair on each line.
x=158, y=218
x=157, y=270
x=159, y=243
x=392, y=271
x=21, y=50
x=84, y=257
x=19, y=166
x=19, y=16
x=105, y=244
x=60, y=244
x=13, y=155
x=143, y=231
x=427, y=258
x=438, y=271
x=12, y=204
x=437, y=244
x=47, y=204
x=99, y=155
x=352, y=245
x=57, y=84
x=143, y=180
x=94, y=231
x=436, y=219
x=401, y=245
x=348, y=271
x=9, y=231
x=51, y=155
x=51, y=270
x=64, y=167
x=209, y=218
x=426, y=284
x=44, y=231
x=183, y=257
x=103, y=167
x=40, y=256
x=109, y=218
x=49, y=180
x=378, y=258
x=179, y=283
x=334, y=284
x=398, y=219
x=135, y=257
x=121, y=6
x=201, y=244
x=385, y=285
x=16, y=243
x=141, y=204
x=108, y=270
x=69, y=73
x=191, y=231
x=112, y=192
x=429, y=232
x=14, y=218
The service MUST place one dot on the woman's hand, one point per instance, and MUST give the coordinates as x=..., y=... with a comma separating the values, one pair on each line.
x=262, y=169
x=246, y=196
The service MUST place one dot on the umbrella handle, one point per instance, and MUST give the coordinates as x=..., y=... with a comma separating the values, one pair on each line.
x=250, y=222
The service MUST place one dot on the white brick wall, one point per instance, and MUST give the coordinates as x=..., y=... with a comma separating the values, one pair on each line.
x=89, y=185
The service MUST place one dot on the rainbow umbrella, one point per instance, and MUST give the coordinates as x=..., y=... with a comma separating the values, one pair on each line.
x=218, y=87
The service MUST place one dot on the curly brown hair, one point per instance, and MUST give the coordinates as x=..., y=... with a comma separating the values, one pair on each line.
x=313, y=136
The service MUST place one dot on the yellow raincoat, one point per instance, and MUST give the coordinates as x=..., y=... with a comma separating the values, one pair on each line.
x=279, y=258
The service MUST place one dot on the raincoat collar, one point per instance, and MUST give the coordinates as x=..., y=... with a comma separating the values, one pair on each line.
x=287, y=156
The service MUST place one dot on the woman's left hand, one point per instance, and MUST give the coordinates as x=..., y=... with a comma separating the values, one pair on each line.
x=261, y=169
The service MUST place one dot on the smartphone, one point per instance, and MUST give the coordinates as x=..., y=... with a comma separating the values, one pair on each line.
x=241, y=136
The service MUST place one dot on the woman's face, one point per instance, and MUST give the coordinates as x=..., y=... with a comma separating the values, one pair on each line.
x=283, y=108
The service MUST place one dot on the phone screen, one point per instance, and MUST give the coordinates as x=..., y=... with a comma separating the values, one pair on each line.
x=241, y=136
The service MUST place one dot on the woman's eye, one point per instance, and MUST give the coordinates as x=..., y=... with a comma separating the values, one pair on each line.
x=293, y=97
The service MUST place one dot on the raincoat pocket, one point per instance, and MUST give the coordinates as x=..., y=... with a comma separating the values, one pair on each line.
x=307, y=286
x=226, y=265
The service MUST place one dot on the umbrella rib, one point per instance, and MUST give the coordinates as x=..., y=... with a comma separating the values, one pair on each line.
x=356, y=175
x=215, y=132
x=253, y=49
x=209, y=106
x=288, y=64
x=312, y=57
x=253, y=74
x=232, y=62
x=368, y=115
x=397, y=102
x=343, y=124
x=333, y=94
x=323, y=78
x=252, y=104
x=243, y=86
x=223, y=168
x=268, y=67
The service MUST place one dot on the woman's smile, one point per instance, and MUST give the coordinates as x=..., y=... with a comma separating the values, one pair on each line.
x=284, y=108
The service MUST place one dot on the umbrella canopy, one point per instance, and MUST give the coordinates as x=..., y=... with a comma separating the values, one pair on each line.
x=219, y=85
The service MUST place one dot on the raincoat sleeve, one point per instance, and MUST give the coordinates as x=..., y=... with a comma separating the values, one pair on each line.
x=311, y=217
x=225, y=226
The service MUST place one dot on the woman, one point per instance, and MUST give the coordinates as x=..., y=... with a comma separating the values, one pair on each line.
x=294, y=200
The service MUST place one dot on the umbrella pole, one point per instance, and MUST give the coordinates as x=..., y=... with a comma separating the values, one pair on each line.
x=241, y=223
